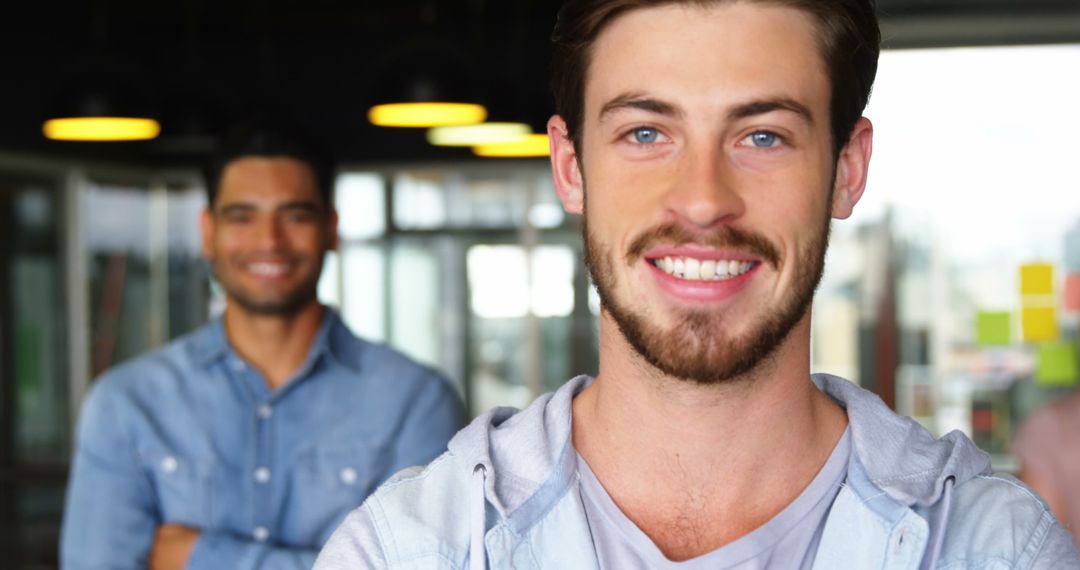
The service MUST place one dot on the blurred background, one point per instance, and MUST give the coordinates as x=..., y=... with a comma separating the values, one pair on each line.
x=953, y=292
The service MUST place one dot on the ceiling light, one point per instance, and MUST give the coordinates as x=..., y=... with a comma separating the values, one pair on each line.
x=101, y=129
x=472, y=135
x=426, y=114
x=529, y=145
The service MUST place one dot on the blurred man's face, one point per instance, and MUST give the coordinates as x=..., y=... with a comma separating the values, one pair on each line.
x=267, y=233
x=707, y=176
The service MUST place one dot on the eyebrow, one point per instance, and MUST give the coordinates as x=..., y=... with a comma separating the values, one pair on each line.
x=236, y=209
x=742, y=111
x=641, y=102
x=304, y=206
x=763, y=106
x=244, y=207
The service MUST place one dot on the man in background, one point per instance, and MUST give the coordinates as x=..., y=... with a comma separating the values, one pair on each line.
x=245, y=443
x=708, y=146
x=1048, y=448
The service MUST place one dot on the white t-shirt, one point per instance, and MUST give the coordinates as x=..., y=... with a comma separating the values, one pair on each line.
x=789, y=540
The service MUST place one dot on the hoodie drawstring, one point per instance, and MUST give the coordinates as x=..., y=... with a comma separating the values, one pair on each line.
x=941, y=522
x=477, y=524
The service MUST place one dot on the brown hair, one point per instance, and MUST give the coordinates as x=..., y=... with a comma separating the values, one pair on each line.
x=848, y=34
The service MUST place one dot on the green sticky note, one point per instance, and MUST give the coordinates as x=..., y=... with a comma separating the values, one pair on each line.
x=1037, y=279
x=1039, y=324
x=993, y=328
x=1056, y=364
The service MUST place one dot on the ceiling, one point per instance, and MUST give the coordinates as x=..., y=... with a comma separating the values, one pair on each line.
x=200, y=65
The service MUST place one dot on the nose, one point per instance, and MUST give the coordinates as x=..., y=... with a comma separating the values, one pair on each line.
x=271, y=235
x=704, y=193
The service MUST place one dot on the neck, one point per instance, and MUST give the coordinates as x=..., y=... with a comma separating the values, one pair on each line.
x=697, y=466
x=275, y=344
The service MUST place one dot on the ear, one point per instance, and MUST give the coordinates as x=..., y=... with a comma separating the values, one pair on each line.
x=851, y=169
x=332, y=229
x=206, y=227
x=565, y=168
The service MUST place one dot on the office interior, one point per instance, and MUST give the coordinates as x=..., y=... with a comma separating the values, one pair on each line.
x=953, y=292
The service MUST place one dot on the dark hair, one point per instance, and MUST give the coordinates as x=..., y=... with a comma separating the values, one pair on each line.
x=847, y=30
x=271, y=141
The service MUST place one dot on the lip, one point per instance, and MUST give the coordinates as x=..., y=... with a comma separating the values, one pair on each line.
x=699, y=291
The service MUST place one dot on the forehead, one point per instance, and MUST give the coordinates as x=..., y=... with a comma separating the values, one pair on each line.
x=708, y=54
x=267, y=179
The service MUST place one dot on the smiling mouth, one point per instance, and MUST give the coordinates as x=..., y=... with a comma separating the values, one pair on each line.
x=693, y=269
x=269, y=269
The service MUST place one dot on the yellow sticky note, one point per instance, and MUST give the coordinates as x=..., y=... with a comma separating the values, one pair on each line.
x=1037, y=279
x=1039, y=324
x=993, y=328
x=1057, y=364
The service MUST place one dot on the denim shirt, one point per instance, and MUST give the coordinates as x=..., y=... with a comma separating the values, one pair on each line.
x=193, y=435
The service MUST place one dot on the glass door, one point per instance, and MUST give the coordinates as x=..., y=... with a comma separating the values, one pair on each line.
x=35, y=423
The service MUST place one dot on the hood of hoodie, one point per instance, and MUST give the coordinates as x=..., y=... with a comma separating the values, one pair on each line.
x=530, y=461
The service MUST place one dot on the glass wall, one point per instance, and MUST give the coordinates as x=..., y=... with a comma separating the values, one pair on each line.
x=473, y=270
x=96, y=267
x=146, y=276
x=34, y=393
x=953, y=288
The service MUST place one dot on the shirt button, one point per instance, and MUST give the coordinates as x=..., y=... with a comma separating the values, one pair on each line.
x=348, y=475
x=262, y=475
x=169, y=464
x=260, y=534
x=237, y=364
x=265, y=411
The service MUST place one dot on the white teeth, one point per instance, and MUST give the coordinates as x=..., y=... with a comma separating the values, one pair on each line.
x=268, y=269
x=708, y=269
x=692, y=269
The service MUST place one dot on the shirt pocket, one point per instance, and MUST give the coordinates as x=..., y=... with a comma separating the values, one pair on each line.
x=181, y=485
x=329, y=481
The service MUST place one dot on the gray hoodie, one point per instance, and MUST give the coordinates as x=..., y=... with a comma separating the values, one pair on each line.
x=505, y=495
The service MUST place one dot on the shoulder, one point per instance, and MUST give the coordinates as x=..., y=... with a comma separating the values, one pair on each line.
x=365, y=356
x=419, y=513
x=380, y=363
x=1050, y=419
x=998, y=520
x=151, y=375
x=135, y=392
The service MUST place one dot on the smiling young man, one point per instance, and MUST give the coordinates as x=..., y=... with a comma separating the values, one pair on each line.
x=708, y=145
x=246, y=442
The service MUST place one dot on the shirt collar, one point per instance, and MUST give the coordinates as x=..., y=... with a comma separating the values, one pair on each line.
x=211, y=344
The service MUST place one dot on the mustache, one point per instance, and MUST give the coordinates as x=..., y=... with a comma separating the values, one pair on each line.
x=724, y=237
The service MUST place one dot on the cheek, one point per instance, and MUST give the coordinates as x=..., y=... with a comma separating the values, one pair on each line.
x=626, y=194
x=230, y=240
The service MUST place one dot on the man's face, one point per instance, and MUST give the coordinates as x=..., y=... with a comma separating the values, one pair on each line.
x=707, y=175
x=267, y=233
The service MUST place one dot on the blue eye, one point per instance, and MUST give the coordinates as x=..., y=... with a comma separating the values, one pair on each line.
x=645, y=135
x=763, y=139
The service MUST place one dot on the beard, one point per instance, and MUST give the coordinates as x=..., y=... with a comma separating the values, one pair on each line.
x=695, y=348
x=284, y=303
